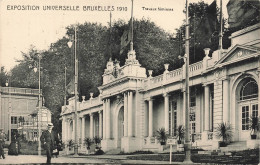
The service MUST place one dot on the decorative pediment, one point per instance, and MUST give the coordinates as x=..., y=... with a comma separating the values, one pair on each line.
x=237, y=53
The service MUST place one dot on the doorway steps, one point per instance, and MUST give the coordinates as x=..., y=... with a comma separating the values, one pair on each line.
x=235, y=146
x=115, y=151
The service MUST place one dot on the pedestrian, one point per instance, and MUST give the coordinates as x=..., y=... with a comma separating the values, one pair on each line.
x=59, y=146
x=2, y=142
x=48, y=139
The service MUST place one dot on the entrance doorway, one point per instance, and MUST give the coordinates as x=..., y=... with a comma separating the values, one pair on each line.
x=248, y=106
x=247, y=110
x=120, y=129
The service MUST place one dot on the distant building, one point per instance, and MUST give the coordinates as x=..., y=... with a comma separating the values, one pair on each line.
x=133, y=106
x=19, y=112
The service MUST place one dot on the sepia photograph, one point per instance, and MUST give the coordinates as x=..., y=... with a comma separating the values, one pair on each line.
x=129, y=81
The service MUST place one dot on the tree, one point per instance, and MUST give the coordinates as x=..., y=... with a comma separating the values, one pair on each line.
x=3, y=76
x=204, y=30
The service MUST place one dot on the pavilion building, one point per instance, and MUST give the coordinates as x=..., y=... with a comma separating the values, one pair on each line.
x=132, y=105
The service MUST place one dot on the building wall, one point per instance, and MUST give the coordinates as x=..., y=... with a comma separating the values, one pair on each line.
x=19, y=101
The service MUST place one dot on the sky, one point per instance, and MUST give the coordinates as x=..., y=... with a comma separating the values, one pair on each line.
x=30, y=22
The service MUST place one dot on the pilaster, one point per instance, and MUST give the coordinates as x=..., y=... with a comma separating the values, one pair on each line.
x=108, y=119
x=83, y=128
x=207, y=108
x=91, y=124
x=130, y=114
x=226, y=113
x=125, y=115
x=166, y=111
x=150, y=102
x=104, y=119
x=100, y=125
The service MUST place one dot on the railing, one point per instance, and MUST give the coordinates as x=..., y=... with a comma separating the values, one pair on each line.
x=90, y=103
x=197, y=136
x=20, y=90
x=157, y=79
x=210, y=135
x=175, y=75
x=196, y=66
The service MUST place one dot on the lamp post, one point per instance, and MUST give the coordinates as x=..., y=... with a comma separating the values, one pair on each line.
x=9, y=112
x=35, y=69
x=187, y=144
x=75, y=89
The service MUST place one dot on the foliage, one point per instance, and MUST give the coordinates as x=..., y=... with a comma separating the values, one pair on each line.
x=97, y=140
x=99, y=152
x=3, y=76
x=88, y=141
x=70, y=143
x=204, y=30
x=224, y=131
x=180, y=132
x=238, y=157
x=254, y=125
x=161, y=135
x=135, y=152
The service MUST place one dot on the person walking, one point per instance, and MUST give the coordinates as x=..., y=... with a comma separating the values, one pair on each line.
x=48, y=139
x=2, y=142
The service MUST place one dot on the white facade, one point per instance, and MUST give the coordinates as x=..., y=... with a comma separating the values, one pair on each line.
x=132, y=105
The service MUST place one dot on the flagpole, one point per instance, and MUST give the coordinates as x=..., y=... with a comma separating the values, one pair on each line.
x=186, y=95
x=132, y=29
x=76, y=94
x=221, y=31
x=110, y=51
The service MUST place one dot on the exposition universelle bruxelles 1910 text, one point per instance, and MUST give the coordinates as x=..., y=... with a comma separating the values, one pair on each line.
x=78, y=8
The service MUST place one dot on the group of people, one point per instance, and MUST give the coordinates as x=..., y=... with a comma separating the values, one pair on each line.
x=49, y=140
x=2, y=142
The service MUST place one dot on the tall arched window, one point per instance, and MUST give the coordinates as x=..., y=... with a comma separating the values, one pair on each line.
x=249, y=89
x=249, y=106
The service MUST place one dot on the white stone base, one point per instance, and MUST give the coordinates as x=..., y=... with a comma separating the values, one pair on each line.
x=108, y=144
x=131, y=144
x=253, y=143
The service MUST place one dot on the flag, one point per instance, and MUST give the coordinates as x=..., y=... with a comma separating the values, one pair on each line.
x=125, y=39
x=208, y=24
x=70, y=87
x=128, y=34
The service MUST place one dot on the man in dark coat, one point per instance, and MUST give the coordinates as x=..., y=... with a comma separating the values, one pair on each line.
x=2, y=142
x=48, y=139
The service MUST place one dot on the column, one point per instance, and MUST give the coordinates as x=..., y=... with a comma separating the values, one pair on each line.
x=104, y=119
x=130, y=114
x=150, y=102
x=100, y=124
x=108, y=119
x=91, y=130
x=125, y=115
x=74, y=126
x=226, y=101
x=166, y=111
x=206, y=108
x=83, y=128
x=183, y=108
x=258, y=83
x=65, y=126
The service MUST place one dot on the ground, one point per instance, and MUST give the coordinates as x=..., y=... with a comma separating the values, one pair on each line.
x=102, y=159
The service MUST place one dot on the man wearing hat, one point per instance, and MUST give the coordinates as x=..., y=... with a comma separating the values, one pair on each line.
x=2, y=142
x=48, y=139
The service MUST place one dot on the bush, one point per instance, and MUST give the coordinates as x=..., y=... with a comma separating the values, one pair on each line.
x=99, y=152
x=135, y=152
x=6, y=145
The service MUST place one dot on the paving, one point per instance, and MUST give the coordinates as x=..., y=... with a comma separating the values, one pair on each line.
x=100, y=159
